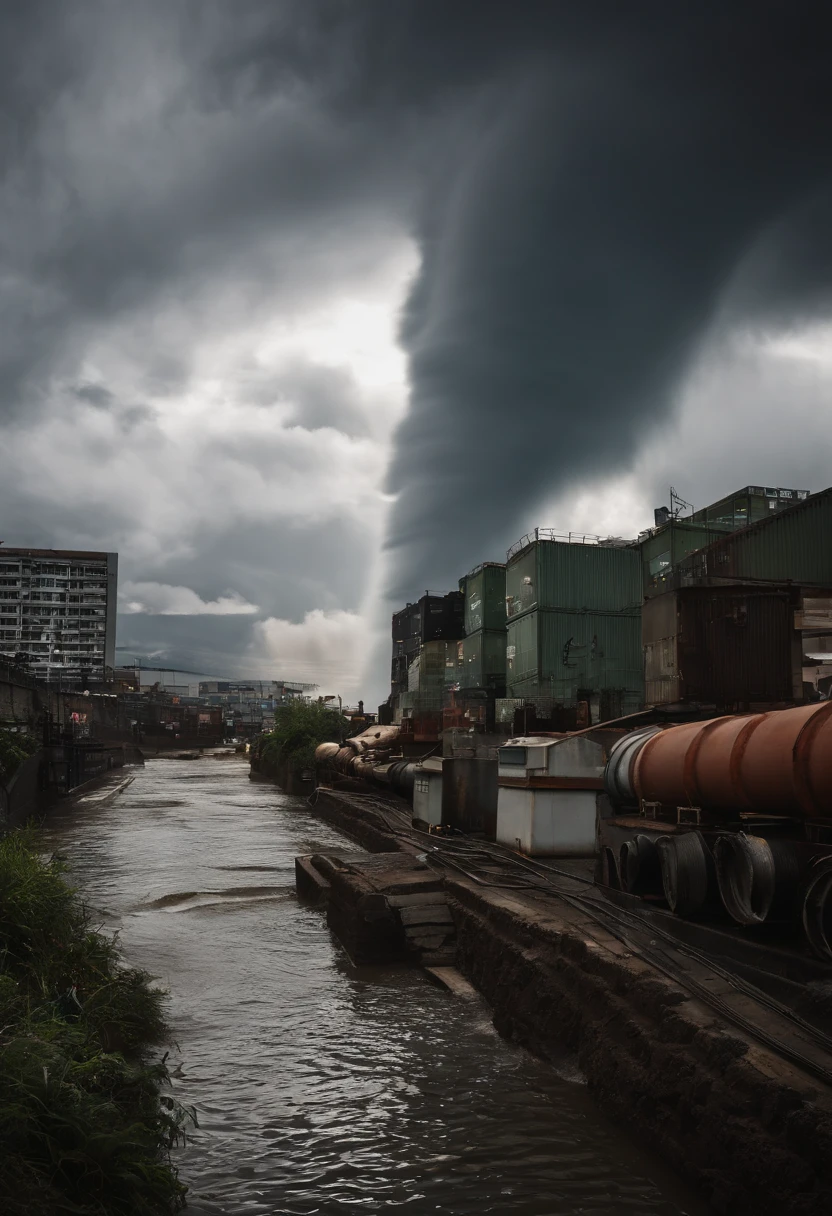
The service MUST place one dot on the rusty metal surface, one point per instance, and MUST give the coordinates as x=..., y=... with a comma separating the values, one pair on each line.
x=545, y=782
x=730, y=647
x=774, y=763
x=469, y=795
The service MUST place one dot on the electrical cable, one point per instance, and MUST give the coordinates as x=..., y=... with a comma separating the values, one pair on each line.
x=622, y=924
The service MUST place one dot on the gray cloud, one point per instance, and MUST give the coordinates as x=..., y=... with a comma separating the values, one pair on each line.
x=321, y=397
x=593, y=189
x=284, y=570
x=605, y=192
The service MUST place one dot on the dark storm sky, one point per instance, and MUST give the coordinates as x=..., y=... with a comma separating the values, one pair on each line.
x=577, y=209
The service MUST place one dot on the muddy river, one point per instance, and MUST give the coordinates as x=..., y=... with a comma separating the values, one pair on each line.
x=320, y=1087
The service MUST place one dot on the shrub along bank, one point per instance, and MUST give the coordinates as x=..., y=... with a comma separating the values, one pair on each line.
x=14, y=749
x=85, y=1124
x=298, y=729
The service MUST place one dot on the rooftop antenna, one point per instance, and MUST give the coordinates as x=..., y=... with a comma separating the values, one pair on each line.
x=678, y=504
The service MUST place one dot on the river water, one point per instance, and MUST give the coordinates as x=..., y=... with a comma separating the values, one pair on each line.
x=319, y=1087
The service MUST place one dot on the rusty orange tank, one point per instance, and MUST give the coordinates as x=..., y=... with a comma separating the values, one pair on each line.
x=776, y=763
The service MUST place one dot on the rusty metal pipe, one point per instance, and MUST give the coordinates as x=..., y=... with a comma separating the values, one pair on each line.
x=774, y=763
x=817, y=909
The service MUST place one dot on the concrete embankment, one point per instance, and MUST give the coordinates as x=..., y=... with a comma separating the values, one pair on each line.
x=750, y=1128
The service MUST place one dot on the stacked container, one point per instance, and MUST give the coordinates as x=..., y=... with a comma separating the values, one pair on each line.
x=433, y=618
x=574, y=625
x=484, y=646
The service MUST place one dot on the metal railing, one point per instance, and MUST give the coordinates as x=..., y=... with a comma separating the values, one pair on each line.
x=569, y=538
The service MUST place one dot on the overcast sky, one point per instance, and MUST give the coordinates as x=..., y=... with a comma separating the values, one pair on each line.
x=307, y=307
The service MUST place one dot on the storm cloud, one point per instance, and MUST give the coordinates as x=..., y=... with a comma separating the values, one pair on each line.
x=630, y=174
x=305, y=307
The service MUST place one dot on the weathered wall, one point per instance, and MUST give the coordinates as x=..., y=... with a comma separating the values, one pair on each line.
x=751, y=1132
x=26, y=701
x=33, y=788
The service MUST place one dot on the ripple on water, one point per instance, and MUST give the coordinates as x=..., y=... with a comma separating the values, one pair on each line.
x=321, y=1088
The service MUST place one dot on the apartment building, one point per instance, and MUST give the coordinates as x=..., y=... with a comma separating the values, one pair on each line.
x=58, y=612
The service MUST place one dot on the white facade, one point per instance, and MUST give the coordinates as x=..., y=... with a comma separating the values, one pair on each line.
x=548, y=823
x=547, y=796
x=427, y=792
x=58, y=612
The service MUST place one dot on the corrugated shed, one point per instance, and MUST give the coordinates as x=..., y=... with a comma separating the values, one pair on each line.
x=484, y=660
x=485, y=598
x=732, y=648
x=792, y=546
x=574, y=577
x=561, y=654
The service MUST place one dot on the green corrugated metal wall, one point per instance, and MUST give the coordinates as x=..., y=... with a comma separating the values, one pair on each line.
x=521, y=649
x=485, y=599
x=588, y=577
x=596, y=578
x=562, y=652
x=676, y=540
x=792, y=546
x=521, y=596
x=484, y=659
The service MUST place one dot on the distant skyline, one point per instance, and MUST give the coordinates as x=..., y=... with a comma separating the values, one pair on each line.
x=308, y=307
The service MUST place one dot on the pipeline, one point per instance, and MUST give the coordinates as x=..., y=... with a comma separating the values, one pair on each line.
x=688, y=873
x=368, y=757
x=618, y=782
x=817, y=909
x=772, y=763
x=758, y=879
x=639, y=866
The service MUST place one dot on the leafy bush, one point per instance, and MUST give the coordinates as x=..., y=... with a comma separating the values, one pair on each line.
x=84, y=1123
x=298, y=729
x=14, y=749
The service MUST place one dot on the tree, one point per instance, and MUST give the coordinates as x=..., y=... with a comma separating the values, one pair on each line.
x=298, y=729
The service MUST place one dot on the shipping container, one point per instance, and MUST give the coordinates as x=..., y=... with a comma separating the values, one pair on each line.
x=573, y=577
x=442, y=616
x=794, y=545
x=731, y=648
x=662, y=549
x=747, y=506
x=484, y=661
x=406, y=625
x=433, y=617
x=485, y=597
x=437, y=666
x=568, y=657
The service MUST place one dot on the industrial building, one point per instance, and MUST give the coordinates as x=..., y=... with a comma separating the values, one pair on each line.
x=664, y=547
x=737, y=620
x=484, y=645
x=574, y=623
x=433, y=618
x=58, y=612
x=727, y=608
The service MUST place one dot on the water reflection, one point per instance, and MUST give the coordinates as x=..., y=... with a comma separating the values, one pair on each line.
x=321, y=1088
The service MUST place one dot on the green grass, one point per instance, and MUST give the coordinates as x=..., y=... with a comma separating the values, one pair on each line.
x=86, y=1124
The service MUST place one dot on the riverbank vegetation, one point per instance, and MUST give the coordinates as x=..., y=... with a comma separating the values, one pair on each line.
x=15, y=747
x=298, y=729
x=85, y=1123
